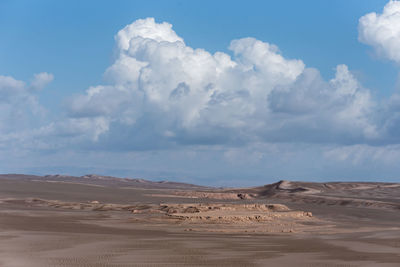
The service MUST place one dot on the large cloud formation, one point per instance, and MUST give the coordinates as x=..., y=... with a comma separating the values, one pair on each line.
x=169, y=108
x=161, y=92
x=382, y=31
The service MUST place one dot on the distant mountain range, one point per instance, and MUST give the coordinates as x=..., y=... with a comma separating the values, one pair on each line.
x=93, y=179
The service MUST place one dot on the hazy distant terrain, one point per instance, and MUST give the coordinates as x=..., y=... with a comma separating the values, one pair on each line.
x=107, y=221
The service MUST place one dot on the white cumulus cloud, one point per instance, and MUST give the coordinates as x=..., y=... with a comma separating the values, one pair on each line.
x=19, y=105
x=250, y=110
x=382, y=31
x=41, y=80
x=160, y=88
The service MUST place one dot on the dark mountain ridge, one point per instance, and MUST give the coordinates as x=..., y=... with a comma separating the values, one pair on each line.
x=93, y=179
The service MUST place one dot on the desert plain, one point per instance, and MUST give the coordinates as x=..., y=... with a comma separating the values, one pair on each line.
x=93, y=220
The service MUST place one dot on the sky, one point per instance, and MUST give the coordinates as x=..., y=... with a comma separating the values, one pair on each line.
x=224, y=93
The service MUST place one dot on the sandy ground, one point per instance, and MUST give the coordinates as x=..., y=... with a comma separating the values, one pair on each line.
x=142, y=228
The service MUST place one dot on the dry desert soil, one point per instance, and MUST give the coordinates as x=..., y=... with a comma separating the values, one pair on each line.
x=106, y=221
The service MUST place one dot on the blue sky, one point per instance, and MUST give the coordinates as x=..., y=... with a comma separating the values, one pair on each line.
x=74, y=43
x=75, y=38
